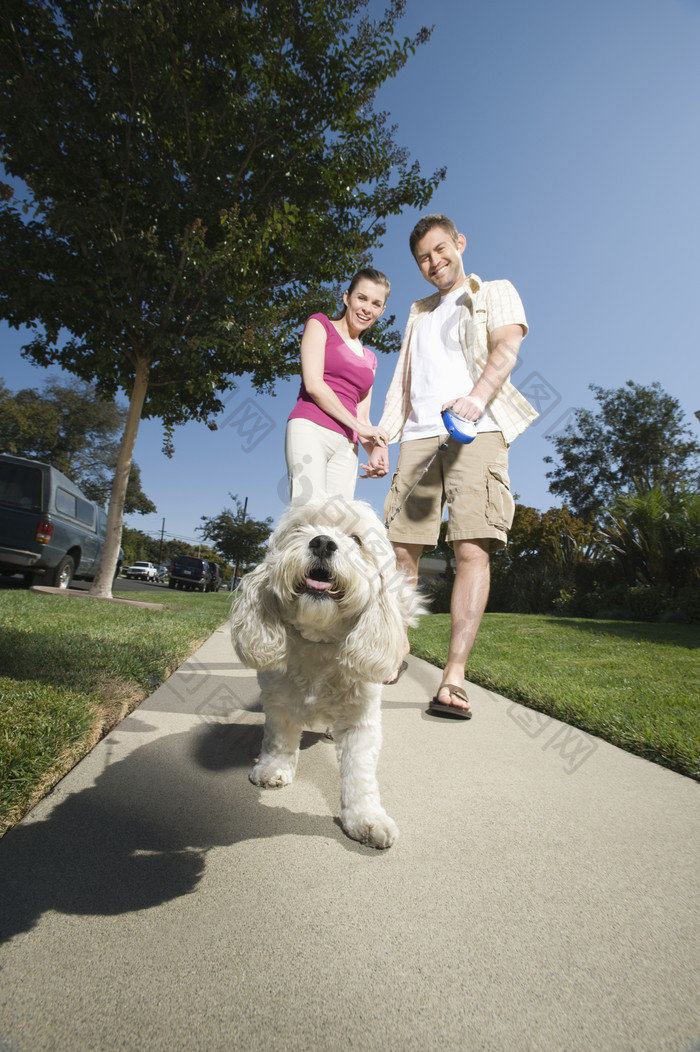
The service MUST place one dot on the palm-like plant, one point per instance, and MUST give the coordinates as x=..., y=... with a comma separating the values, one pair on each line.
x=655, y=537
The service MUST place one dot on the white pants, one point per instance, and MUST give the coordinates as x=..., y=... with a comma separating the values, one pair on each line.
x=319, y=462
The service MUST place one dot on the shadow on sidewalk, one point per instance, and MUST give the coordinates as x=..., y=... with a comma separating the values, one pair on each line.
x=139, y=837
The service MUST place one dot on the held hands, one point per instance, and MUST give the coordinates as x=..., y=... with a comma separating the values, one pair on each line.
x=378, y=465
x=378, y=439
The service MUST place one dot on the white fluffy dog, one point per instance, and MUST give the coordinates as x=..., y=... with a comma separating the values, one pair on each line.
x=323, y=618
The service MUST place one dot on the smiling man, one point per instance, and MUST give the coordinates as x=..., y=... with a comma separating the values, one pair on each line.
x=459, y=349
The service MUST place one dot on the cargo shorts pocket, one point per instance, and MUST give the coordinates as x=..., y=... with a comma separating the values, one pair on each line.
x=500, y=506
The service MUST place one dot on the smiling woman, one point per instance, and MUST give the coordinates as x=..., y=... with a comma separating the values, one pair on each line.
x=332, y=411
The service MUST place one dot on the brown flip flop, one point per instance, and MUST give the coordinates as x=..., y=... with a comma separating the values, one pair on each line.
x=441, y=708
x=401, y=669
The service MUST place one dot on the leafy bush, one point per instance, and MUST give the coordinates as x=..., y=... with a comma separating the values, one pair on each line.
x=646, y=604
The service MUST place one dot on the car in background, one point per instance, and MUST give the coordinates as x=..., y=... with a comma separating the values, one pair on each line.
x=162, y=573
x=190, y=573
x=49, y=531
x=141, y=571
x=215, y=577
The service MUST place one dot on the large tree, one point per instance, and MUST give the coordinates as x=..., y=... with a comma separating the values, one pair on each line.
x=637, y=440
x=70, y=426
x=195, y=176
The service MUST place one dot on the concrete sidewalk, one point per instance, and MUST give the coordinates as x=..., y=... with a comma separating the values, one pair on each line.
x=543, y=894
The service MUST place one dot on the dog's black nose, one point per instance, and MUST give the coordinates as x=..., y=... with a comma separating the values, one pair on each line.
x=323, y=546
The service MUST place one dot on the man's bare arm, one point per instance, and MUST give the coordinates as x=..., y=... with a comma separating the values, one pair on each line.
x=504, y=344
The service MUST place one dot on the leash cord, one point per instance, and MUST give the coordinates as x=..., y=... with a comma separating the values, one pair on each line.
x=425, y=468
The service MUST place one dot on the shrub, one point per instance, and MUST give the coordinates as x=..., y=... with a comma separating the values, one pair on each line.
x=646, y=603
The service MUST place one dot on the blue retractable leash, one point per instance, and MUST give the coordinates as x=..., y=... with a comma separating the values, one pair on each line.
x=457, y=427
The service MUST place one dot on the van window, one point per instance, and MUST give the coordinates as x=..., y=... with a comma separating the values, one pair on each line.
x=188, y=560
x=20, y=486
x=65, y=502
x=86, y=511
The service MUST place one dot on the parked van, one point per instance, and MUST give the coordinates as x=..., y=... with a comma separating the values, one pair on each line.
x=49, y=531
x=191, y=573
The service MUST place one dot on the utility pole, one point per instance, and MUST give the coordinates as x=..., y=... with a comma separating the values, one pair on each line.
x=160, y=549
x=235, y=572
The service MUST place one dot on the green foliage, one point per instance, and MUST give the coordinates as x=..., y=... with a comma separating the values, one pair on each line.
x=540, y=560
x=241, y=540
x=636, y=441
x=646, y=604
x=195, y=178
x=632, y=469
x=656, y=538
x=199, y=176
x=71, y=427
x=641, y=564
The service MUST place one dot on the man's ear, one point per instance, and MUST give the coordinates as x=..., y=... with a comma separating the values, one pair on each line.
x=461, y=243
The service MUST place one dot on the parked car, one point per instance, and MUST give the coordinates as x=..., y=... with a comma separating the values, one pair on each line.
x=162, y=573
x=142, y=571
x=215, y=577
x=49, y=531
x=190, y=573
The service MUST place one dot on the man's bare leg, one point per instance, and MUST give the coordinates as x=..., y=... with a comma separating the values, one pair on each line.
x=470, y=594
x=407, y=559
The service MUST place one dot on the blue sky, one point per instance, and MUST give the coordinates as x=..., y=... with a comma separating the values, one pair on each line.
x=571, y=137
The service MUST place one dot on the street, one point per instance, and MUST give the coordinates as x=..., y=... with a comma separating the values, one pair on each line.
x=120, y=585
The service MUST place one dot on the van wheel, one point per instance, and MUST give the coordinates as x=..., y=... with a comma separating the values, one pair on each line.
x=63, y=574
x=171, y=584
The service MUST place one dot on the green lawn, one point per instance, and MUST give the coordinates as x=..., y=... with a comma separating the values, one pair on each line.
x=70, y=669
x=635, y=685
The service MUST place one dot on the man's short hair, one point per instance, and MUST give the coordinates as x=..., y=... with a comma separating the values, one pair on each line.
x=427, y=223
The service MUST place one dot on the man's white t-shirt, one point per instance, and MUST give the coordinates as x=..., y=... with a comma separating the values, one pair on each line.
x=439, y=371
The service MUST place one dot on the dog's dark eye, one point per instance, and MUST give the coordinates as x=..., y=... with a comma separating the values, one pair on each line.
x=356, y=539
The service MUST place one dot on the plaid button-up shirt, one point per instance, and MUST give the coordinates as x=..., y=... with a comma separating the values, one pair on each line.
x=488, y=305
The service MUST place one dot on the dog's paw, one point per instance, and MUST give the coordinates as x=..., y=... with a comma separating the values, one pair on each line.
x=270, y=776
x=376, y=829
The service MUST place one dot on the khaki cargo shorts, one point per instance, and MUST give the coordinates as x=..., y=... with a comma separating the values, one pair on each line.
x=472, y=480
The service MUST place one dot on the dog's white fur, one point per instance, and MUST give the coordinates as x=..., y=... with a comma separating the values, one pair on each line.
x=323, y=648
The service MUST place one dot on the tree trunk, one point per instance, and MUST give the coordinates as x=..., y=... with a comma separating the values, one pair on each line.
x=101, y=587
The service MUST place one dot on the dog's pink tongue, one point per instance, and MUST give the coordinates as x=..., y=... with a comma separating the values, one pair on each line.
x=320, y=586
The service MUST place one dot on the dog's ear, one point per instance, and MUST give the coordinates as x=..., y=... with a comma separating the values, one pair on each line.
x=257, y=633
x=376, y=645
